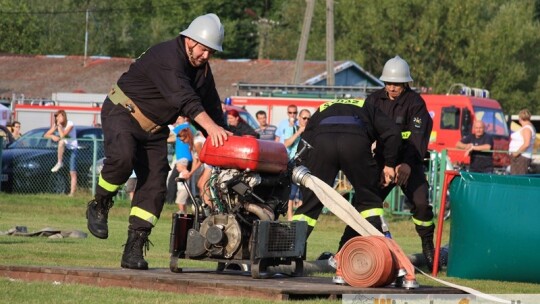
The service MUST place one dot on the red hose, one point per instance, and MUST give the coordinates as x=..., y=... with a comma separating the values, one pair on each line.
x=366, y=261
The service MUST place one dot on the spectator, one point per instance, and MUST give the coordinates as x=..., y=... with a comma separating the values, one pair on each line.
x=64, y=133
x=10, y=128
x=238, y=126
x=183, y=172
x=7, y=137
x=292, y=137
x=521, y=144
x=189, y=175
x=181, y=150
x=265, y=130
x=196, y=143
x=16, y=127
x=131, y=185
x=292, y=114
x=475, y=146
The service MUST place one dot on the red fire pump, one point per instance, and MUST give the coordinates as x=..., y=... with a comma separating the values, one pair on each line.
x=249, y=189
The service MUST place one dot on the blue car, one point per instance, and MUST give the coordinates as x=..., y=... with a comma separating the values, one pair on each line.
x=27, y=162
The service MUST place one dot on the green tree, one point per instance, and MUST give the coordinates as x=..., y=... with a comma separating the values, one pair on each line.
x=120, y=28
x=489, y=44
x=19, y=30
x=493, y=45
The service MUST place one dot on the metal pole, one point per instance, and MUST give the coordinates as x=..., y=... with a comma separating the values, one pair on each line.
x=301, y=54
x=86, y=39
x=330, y=78
x=1, y=151
x=94, y=166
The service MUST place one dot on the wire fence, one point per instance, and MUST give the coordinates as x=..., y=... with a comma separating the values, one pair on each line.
x=26, y=167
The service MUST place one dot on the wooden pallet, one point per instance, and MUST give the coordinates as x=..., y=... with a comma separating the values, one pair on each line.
x=193, y=281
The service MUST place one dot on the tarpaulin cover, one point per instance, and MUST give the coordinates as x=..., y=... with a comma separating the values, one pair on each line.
x=495, y=232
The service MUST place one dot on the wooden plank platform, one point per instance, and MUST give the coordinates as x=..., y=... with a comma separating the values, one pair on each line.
x=193, y=281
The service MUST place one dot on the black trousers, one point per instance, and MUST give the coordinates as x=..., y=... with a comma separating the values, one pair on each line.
x=416, y=191
x=127, y=148
x=350, y=153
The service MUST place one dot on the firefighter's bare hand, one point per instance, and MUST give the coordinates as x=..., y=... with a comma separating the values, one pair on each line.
x=389, y=174
x=218, y=135
x=403, y=171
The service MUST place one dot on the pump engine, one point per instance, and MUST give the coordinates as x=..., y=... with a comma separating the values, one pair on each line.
x=249, y=189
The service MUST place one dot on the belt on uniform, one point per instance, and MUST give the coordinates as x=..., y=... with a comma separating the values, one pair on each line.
x=342, y=120
x=117, y=96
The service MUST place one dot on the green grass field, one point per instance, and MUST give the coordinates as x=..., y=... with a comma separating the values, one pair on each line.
x=40, y=211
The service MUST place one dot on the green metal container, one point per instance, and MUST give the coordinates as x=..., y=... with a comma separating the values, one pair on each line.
x=495, y=232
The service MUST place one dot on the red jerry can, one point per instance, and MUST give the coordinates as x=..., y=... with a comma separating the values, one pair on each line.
x=246, y=153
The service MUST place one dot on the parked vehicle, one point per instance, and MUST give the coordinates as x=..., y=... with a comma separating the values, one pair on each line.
x=453, y=116
x=452, y=113
x=85, y=109
x=27, y=162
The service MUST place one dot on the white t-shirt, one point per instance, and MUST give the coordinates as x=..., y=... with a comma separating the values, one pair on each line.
x=199, y=138
x=517, y=140
x=71, y=138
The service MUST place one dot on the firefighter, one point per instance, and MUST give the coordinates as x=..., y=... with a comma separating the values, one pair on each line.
x=342, y=133
x=408, y=110
x=170, y=79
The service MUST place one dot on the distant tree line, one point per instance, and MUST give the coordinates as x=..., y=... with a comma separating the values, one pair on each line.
x=487, y=44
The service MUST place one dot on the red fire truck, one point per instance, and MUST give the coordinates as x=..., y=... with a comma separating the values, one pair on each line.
x=453, y=113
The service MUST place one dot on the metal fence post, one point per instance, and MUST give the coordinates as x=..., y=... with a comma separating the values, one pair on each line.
x=94, y=165
x=1, y=152
x=440, y=173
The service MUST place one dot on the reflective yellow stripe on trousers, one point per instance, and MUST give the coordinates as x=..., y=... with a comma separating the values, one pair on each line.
x=145, y=215
x=106, y=185
x=302, y=217
x=372, y=212
x=311, y=222
x=421, y=223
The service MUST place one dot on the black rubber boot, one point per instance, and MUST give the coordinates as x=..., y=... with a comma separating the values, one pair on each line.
x=428, y=249
x=133, y=250
x=97, y=213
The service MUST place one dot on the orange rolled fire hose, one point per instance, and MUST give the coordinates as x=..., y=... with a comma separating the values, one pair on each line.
x=347, y=213
x=366, y=261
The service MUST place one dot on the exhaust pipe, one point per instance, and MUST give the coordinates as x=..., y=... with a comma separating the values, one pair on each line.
x=262, y=213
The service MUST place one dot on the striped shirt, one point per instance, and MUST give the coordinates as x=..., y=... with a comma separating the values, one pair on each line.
x=268, y=133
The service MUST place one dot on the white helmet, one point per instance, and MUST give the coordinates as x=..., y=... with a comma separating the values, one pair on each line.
x=207, y=30
x=396, y=70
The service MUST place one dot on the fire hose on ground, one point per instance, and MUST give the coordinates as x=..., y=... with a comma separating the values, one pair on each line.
x=371, y=260
x=359, y=253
